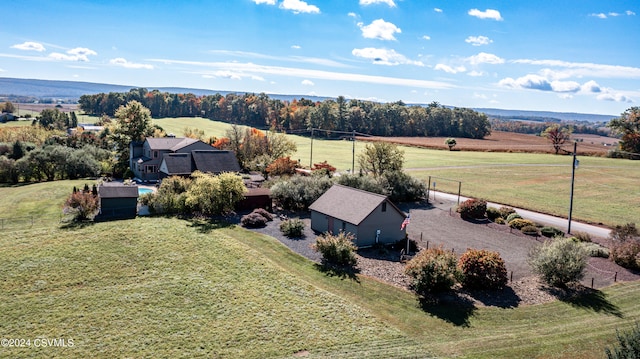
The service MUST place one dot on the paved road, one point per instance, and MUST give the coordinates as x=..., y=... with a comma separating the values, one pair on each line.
x=560, y=223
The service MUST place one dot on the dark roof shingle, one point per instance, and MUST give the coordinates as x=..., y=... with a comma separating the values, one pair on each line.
x=348, y=204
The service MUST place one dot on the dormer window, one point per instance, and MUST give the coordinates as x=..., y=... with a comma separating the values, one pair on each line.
x=384, y=206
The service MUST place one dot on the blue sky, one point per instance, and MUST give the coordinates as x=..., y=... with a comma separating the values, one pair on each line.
x=566, y=55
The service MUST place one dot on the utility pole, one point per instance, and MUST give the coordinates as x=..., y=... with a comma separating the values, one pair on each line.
x=353, y=150
x=574, y=164
x=311, y=156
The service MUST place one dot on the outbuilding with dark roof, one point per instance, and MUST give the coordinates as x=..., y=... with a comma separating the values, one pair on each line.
x=117, y=201
x=372, y=218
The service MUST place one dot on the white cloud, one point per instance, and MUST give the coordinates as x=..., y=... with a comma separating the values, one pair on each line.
x=426, y=37
x=478, y=40
x=630, y=13
x=119, y=61
x=599, y=15
x=585, y=69
x=616, y=97
x=295, y=47
x=591, y=87
x=487, y=14
x=370, y=2
x=257, y=55
x=313, y=74
x=77, y=54
x=379, y=29
x=352, y=14
x=298, y=6
x=533, y=82
x=257, y=78
x=307, y=83
x=29, y=46
x=449, y=69
x=485, y=58
x=565, y=86
x=228, y=75
x=437, y=9
x=268, y=2
x=475, y=73
x=384, y=56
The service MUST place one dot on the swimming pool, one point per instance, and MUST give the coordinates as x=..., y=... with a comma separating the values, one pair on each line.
x=142, y=190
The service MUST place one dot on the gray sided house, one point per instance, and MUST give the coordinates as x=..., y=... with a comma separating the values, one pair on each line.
x=117, y=201
x=146, y=158
x=372, y=218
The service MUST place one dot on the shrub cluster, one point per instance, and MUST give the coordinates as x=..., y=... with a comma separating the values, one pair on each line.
x=292, y=228
x=336, y=249
x=628, y=345
x=559, y=261
x=511, y=216
x=432, y=270
x=299, y=192
x=625, y=250
x=473, y=208
x=551, y=232
x=482, y=269
x=520, y=223
x=256, y=219
x=530, y=230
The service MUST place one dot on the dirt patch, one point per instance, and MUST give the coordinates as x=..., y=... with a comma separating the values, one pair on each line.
x=500, y=141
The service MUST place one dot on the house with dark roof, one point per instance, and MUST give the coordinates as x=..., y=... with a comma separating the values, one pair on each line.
x=184, y=155
x=372, y=218
x=117, y=201
x=210, y=161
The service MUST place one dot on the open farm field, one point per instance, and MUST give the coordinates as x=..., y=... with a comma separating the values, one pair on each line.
x=164, y=287
x=500, y=141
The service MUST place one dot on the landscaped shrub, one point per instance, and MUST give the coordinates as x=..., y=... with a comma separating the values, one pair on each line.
x=626, y=254
x=493, y=213
x=482, y=269
x=298, y=192
x=520, y=223
x=282, y=166
x=596, y=250
x=402, y=187
x=551, y=232
x=512, y=216
x=628, y=346
x=624, y=232
x=82, y=205
x=506, y=211
x=582, y=236
x=432, y=270
x=264, y=213
x=253, y=220
x=473, y=208
x=559, y=261
x=292, y=228
x=365, y=183
x=337, y=249
x=529, y=230
x=500, y=220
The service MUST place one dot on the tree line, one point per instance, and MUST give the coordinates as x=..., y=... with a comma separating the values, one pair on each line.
x=340, y=114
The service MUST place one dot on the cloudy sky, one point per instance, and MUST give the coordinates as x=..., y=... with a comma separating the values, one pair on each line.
x=567, y=55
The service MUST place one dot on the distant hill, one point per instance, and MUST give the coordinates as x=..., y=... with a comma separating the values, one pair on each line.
x=20, y=90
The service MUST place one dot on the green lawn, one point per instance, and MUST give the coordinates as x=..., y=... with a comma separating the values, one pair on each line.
x=163, y=287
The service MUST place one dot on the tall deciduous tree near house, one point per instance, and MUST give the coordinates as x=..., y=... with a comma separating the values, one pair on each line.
x=133, y=123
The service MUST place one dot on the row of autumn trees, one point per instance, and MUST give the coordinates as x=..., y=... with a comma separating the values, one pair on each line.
x=340, y=114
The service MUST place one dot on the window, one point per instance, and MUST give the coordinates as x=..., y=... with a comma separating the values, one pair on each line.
x=150, y=169
x=155, y=154
x=344, y=226
x=384, y=206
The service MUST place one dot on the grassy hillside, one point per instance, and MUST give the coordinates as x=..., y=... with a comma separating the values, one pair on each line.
x=162, y=287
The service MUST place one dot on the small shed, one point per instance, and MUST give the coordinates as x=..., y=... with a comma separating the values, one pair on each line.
x=117, y=201
x=372, y=218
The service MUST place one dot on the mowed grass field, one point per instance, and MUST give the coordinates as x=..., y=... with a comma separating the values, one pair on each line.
x=166, y=287
x=606, y=189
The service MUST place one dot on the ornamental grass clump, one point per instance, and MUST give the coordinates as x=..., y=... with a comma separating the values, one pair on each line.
x=292, y=228
x=336, y=249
